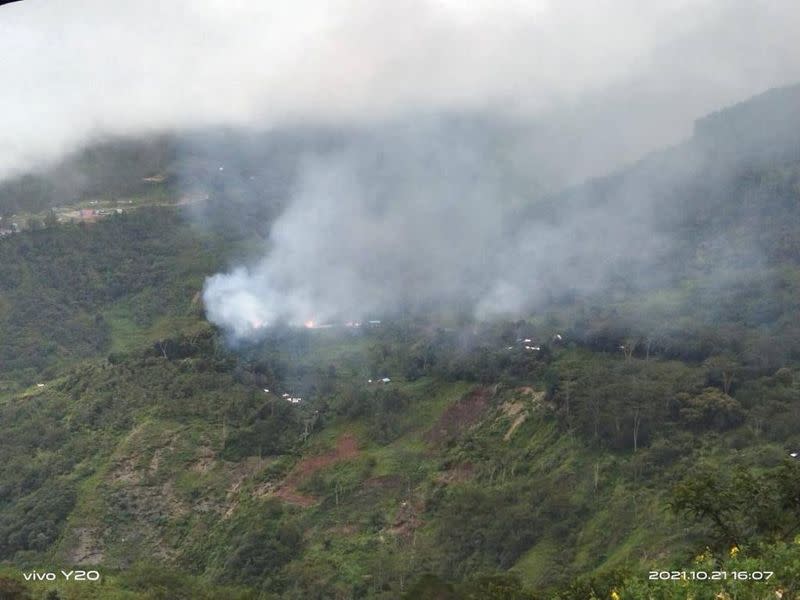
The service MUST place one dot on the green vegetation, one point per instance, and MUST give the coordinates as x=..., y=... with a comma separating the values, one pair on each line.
x=76, y=291
x=650, y=430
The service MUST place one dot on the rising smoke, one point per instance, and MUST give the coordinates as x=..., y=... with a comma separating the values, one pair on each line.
x=414, y=209
x=416, y=216
x=435, y=214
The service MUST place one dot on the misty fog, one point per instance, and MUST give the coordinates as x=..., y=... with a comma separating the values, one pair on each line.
x=602, y=82
x=460, y=117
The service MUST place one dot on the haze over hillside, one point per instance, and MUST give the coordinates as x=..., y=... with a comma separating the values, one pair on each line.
x=451, y=215
x=424, y=215
x=560, y=455
x=590, y=86
x=374, y=300
x=398, y=137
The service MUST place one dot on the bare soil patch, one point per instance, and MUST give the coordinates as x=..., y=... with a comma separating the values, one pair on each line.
x=346, y=448
x=460, y=416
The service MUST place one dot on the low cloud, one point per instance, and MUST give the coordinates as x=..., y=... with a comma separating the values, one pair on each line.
x=635, y=72
x=413, y=210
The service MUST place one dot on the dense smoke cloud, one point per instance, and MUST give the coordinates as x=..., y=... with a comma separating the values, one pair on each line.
x=409, y=214
x=419, y=216
x=414, y=209
x=433, y=215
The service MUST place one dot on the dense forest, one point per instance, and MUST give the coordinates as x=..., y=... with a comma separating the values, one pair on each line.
x=646, y=425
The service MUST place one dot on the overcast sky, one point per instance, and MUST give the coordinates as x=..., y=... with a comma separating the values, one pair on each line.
x=638, y=72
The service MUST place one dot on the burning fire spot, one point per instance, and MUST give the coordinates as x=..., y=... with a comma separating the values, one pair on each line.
x=309, y=324
x=257, y=323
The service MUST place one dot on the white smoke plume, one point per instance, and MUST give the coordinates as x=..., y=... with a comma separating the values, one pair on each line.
x=408, y=213
x=421, y=216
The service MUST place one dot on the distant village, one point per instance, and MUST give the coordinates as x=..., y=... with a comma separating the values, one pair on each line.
x=89, y=215
x=524, y=344
x=94, y=212
x=91, y=211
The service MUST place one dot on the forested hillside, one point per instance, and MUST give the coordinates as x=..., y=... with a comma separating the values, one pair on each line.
x=640, y=424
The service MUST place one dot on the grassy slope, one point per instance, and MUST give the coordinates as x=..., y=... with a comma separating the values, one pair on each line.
x=154, y=484
x=141, y=447
x=151, y=479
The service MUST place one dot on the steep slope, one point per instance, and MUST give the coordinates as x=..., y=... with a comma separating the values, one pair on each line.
x=137, y=442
